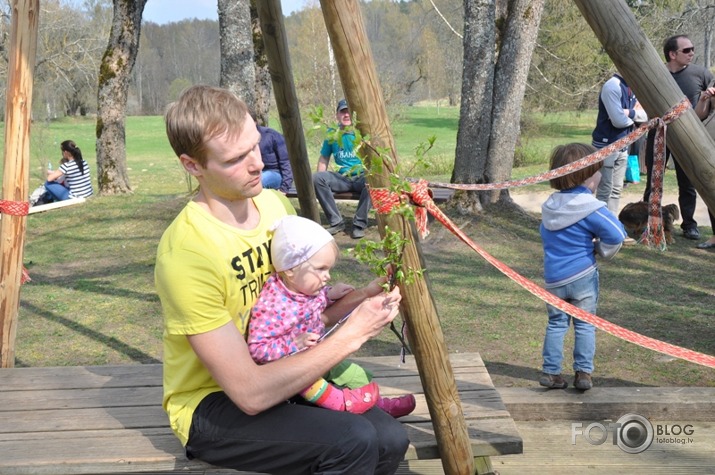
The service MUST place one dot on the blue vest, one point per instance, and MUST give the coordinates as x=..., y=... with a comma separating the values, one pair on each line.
x=605, y=132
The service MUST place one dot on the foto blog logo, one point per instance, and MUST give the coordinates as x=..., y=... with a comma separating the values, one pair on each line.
x=632, y=433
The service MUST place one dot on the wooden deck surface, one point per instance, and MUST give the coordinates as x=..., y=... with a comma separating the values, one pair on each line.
x=108, y=419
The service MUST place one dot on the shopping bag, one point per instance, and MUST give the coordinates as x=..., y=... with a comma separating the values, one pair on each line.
x=633, y=170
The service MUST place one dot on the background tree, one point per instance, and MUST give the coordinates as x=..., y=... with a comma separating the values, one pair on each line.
x=493, y=86
x=186, y=51
x=565, y=74
x=313, y=70
x=263, y=85
x=114, y=75
x=71, y=40
x=238, y=72
x=699, y=16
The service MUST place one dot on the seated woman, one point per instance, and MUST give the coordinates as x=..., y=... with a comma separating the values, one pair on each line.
x=71, y=179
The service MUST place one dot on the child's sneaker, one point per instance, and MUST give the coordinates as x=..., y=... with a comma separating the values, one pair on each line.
x=397, y=406
x=361, y=399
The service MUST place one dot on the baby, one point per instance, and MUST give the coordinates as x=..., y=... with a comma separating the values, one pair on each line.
x=293, y=308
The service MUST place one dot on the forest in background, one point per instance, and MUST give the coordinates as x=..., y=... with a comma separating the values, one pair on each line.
x=417, y=49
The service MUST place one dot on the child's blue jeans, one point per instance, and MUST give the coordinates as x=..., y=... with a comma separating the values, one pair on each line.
x=583, y=293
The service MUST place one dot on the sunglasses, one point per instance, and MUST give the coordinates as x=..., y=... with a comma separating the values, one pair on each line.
x=688, y=50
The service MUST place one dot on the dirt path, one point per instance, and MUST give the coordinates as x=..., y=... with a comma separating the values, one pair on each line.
x=532, y=201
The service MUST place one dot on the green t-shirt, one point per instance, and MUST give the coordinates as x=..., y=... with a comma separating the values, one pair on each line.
x=344, y=152
x=207, y=274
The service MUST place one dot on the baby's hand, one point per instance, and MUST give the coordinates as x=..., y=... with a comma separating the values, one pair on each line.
x=339, y=291
x=306, y=340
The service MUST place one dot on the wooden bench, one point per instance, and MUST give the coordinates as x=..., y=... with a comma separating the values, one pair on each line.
x=439, y=195
x=108, y=419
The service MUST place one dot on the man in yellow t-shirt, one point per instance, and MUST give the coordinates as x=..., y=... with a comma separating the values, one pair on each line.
x=211, y=264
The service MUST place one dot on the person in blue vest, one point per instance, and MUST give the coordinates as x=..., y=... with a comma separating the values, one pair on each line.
x=350, y=177
x=618, y=111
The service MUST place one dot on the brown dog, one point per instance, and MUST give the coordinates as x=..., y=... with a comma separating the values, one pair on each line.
x=634, y=217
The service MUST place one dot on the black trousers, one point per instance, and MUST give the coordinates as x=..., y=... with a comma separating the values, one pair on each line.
x=687, y=196
x=295, y=438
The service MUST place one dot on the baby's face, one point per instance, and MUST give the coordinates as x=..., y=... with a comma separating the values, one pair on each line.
x=313, y=274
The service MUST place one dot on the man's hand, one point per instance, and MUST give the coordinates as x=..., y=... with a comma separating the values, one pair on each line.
x=372, y=316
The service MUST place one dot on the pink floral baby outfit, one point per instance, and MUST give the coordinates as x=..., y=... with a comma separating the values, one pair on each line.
x=279, y=316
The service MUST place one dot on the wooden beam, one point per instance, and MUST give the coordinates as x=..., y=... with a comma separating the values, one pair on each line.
x=362, y=89
x=16, y=175
x=643, y=69
x=279, y=65
x=655, y=403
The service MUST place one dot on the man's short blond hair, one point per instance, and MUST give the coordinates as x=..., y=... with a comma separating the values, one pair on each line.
x=200, y=114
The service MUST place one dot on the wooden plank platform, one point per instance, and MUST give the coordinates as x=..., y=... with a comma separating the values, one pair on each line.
x=108, y=419
x=654, y=403
x=548, y=449
x=439, y=195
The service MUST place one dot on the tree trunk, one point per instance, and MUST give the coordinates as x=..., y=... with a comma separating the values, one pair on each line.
x=512, y=70
x=263, y=75
x=114, y=74
x=16, y=169
x=278, y=56
x=493, y=84
x=238, y=73
x=475, y=116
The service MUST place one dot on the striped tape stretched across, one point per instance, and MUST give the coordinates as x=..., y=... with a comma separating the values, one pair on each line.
x=384, y=200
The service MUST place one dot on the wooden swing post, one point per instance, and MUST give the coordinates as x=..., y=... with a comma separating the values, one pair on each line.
x=362, y=89
x=16, y=175
x=275, y=42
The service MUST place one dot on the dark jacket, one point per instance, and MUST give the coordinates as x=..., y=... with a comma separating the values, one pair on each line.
x=275, y=155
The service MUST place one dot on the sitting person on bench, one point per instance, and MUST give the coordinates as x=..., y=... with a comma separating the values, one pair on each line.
x=349, y=177
x=71, y=179
x=211, y=263
x=277, y=173
x=295, y=304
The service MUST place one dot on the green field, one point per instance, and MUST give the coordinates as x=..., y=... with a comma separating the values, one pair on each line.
x=92, y=299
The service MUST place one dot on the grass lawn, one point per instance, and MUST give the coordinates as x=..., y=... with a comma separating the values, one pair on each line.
x=92, y=298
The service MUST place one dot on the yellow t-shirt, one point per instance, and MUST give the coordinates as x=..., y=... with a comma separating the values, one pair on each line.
x=207, y=274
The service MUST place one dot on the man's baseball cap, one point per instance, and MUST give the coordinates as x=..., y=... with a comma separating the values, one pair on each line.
x=342, y=104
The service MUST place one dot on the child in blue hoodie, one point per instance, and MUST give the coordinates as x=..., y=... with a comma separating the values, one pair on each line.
x=575, y=227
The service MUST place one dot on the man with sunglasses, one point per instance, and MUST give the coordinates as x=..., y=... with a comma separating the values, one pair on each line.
x=693, y=80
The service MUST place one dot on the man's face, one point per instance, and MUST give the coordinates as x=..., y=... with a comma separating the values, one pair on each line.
x=684, y=54
x=233, y=165
x=343, y=117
